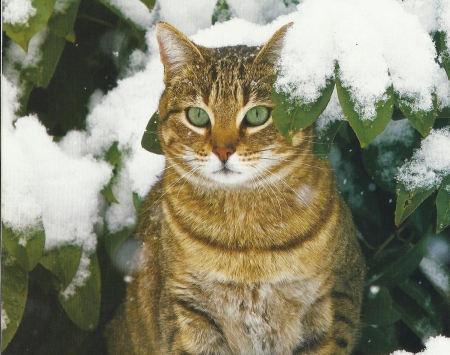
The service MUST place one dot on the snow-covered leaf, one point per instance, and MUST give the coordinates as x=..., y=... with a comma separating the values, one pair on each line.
x=366, y=129
x=14, y=295
x=293, y=114
x=83, y=306
x=150, y=140
x=409, y=200
x=149, y=3
x=63, y=263
x=438, y=274
x=443, y=205
x=26, y=246
x=22, y=33
x=422, y=120
x=61, y=23
x=445, y=53
x=108, y=193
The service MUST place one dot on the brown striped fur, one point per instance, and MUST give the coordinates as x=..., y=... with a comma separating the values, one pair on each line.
x=264, y=261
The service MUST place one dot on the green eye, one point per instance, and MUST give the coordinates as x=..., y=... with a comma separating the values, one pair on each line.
x=257, y=115
x=197, y=116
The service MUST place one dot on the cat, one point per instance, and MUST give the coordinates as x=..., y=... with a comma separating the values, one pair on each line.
x=247, y=247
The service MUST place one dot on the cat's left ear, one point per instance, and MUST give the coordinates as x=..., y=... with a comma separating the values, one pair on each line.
x=271, y=51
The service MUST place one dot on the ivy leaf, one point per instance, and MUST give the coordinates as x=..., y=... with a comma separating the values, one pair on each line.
x=408, y=201
x=366, y=130
x=83, y=307
x=61, y=24
x=443, y=206
x=14, y=295
x=26, y=246
x=399, y=270
x=21, y=34
x=150, y=140
x=421, y=120
x=63, y=263
x=291, y=115
x=377, y=307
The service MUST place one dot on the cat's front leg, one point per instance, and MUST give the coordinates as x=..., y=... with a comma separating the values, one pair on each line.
x=190, y=330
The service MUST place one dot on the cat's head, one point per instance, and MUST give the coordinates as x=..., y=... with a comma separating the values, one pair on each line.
x=215, y=112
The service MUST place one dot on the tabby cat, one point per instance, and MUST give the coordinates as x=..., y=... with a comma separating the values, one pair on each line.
x=247, y=247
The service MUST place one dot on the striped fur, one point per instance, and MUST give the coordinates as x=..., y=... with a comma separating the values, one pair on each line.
x=258, y=258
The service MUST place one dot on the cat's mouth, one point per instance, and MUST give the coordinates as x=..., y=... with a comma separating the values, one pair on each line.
x=225, y=171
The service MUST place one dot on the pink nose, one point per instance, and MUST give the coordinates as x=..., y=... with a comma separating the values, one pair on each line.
x=223, y=153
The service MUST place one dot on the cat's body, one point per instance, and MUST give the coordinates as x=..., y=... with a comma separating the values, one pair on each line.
x=247, y=247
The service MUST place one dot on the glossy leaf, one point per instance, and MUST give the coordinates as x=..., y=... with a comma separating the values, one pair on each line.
x=63, y=263
x=21, y=34
x=14, y=295
x=26, y=246
x=399, y=270
x=423, y=298
x=150, y=140
x=291, y=115
x=438, y=274
x=443, y=205
x=324, y=139
x=366, y=130
x=445, y=53
x=61, y=24
x=415, y=317
x=408, y=201
x=114, y=240
x=83, y=308
x=377, y=307
x=421, y=120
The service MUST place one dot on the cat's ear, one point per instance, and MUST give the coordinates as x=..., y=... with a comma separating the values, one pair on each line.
x=175, y=48
x=271, y=51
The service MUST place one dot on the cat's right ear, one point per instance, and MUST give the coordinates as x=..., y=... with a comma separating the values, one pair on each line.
x=175, y=48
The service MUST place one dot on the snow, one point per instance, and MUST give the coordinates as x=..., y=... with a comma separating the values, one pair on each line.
x=432, y=269
x=429, y=164
x=396, y=132
x=80, y=277
x=61, y=6
x=17, y=12
x=375, y=44
x=5, y=319
x=438, y=345
x=43, y=184
x=135, y=11
x=332, y=113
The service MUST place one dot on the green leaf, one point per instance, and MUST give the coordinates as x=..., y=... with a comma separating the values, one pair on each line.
x=423, y=298
x=421, y=120
x=399, y=270
x=415, y=317
x=291, y=115
x=137, y=202
x=438, y=274
x=324, y=139
x=51, y=52
x=366, y=130
x=14, y=295
x=61, y=24
x=113, y=155
x=26, y=246
x=107, y=192
x=443, y=206
x=149, y=3
x=114, y=240
x=83, y=307
x=21, y=34
x=150, y=140
x=377, y=307
x=221, y=12
x=408, y=201
x=445, y=53
x=377, y=340
x=63, y=263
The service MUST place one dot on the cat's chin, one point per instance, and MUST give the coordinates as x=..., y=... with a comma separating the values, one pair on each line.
x=228, y=177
